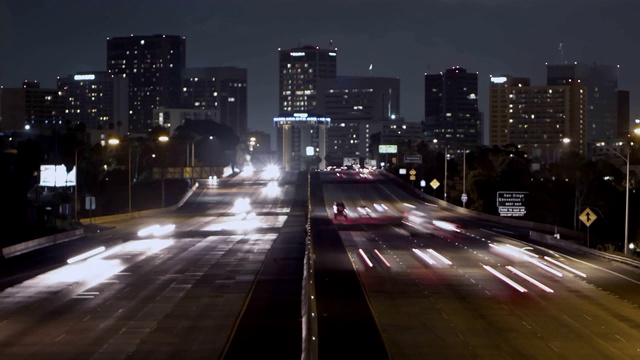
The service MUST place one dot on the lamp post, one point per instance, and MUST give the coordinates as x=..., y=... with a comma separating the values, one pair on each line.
x=163, y=138
x=464, y=176
x=75, y=188
x=626, y=206
x=129, y=179
x=193, y=160
x=626, y=200
x=446, y=156
x=116, y=142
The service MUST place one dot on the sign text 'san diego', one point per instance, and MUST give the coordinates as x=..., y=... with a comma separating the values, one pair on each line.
x=511, y=203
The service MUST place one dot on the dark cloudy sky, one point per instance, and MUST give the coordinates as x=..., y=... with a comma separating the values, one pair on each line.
x=43, y=39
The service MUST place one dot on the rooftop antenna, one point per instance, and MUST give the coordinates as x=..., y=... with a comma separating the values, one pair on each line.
x=561, y=53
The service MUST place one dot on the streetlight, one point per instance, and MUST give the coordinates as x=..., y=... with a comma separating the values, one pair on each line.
x=626, y=205
x=446, y=160
x=114, y=141
x=446, y=153
x=464, y=171
x=464, y=177
x=75, y=190
x=163, y=138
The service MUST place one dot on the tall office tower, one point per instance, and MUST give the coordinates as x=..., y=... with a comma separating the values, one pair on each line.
x=299, y=71
x=451, y=113
x=357, y=107
x=97, y=99
x=222, y=89
x=537, y=119
x=623, y=116
x=602, y=85
x=32, y=106
x=153, y=64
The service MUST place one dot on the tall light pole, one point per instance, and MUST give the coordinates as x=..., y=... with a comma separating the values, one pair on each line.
x=163, y=138
x=626, y=200
x=193, y=161
x=626, y=205
x=129, y=178
x=464, y=176
x=446, y=155
x=75, y=188
x=116, y=142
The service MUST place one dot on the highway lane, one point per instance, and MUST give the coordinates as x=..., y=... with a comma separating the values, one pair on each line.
x=164, y=297
x=429, y=308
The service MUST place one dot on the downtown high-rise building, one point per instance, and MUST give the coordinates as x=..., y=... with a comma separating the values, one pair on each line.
x=358, y=106
x=153, y=64
x=601, y=83
x=300, y=69
x=220, y=89
x=541, y=120
x=31, y=107
x=451, y=114
x=299, y=129
x=98, y=99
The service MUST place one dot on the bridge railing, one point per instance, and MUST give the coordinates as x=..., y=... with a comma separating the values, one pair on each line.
x=309, y=309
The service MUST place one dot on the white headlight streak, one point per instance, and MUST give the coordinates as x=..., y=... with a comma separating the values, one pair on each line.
x=365, y=258
x=424, y=256
x=565, y=266
x=529, y=279
x=504, y=278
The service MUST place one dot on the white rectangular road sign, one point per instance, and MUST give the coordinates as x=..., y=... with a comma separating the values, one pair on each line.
x=413, y=159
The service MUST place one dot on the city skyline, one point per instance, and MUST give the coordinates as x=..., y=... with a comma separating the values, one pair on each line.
x=409, y=39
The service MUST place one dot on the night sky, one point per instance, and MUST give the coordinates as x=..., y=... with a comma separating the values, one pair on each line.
x=41, y=40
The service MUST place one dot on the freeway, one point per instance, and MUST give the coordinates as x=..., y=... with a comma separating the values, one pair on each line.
x=191, y=293
x=398, y=278
x=442, y=286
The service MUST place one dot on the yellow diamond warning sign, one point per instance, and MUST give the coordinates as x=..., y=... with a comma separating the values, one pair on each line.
x=587, y=217
x=434, y=184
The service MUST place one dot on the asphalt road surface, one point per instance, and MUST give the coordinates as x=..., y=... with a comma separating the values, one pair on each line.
x=398, y=278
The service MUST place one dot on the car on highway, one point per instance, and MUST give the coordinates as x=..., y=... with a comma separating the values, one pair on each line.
x=339, y=209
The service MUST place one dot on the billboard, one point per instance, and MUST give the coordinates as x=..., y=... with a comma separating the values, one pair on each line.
x=350, y=161
x=388, y=149
x=370, y=162
x=57, y=176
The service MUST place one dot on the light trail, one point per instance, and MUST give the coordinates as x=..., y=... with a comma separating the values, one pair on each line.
x=529, y=279
x=424, y=256
x=523, y=251
x=444, y=259
x=366, y=259
x=504, y=278
x=375, y=251
x=565, y=266
x=545, y=267
x=86, y=255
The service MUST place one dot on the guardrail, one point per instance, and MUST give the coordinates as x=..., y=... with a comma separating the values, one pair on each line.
x=309, y=310
x=35, y=244
x=137, y=214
